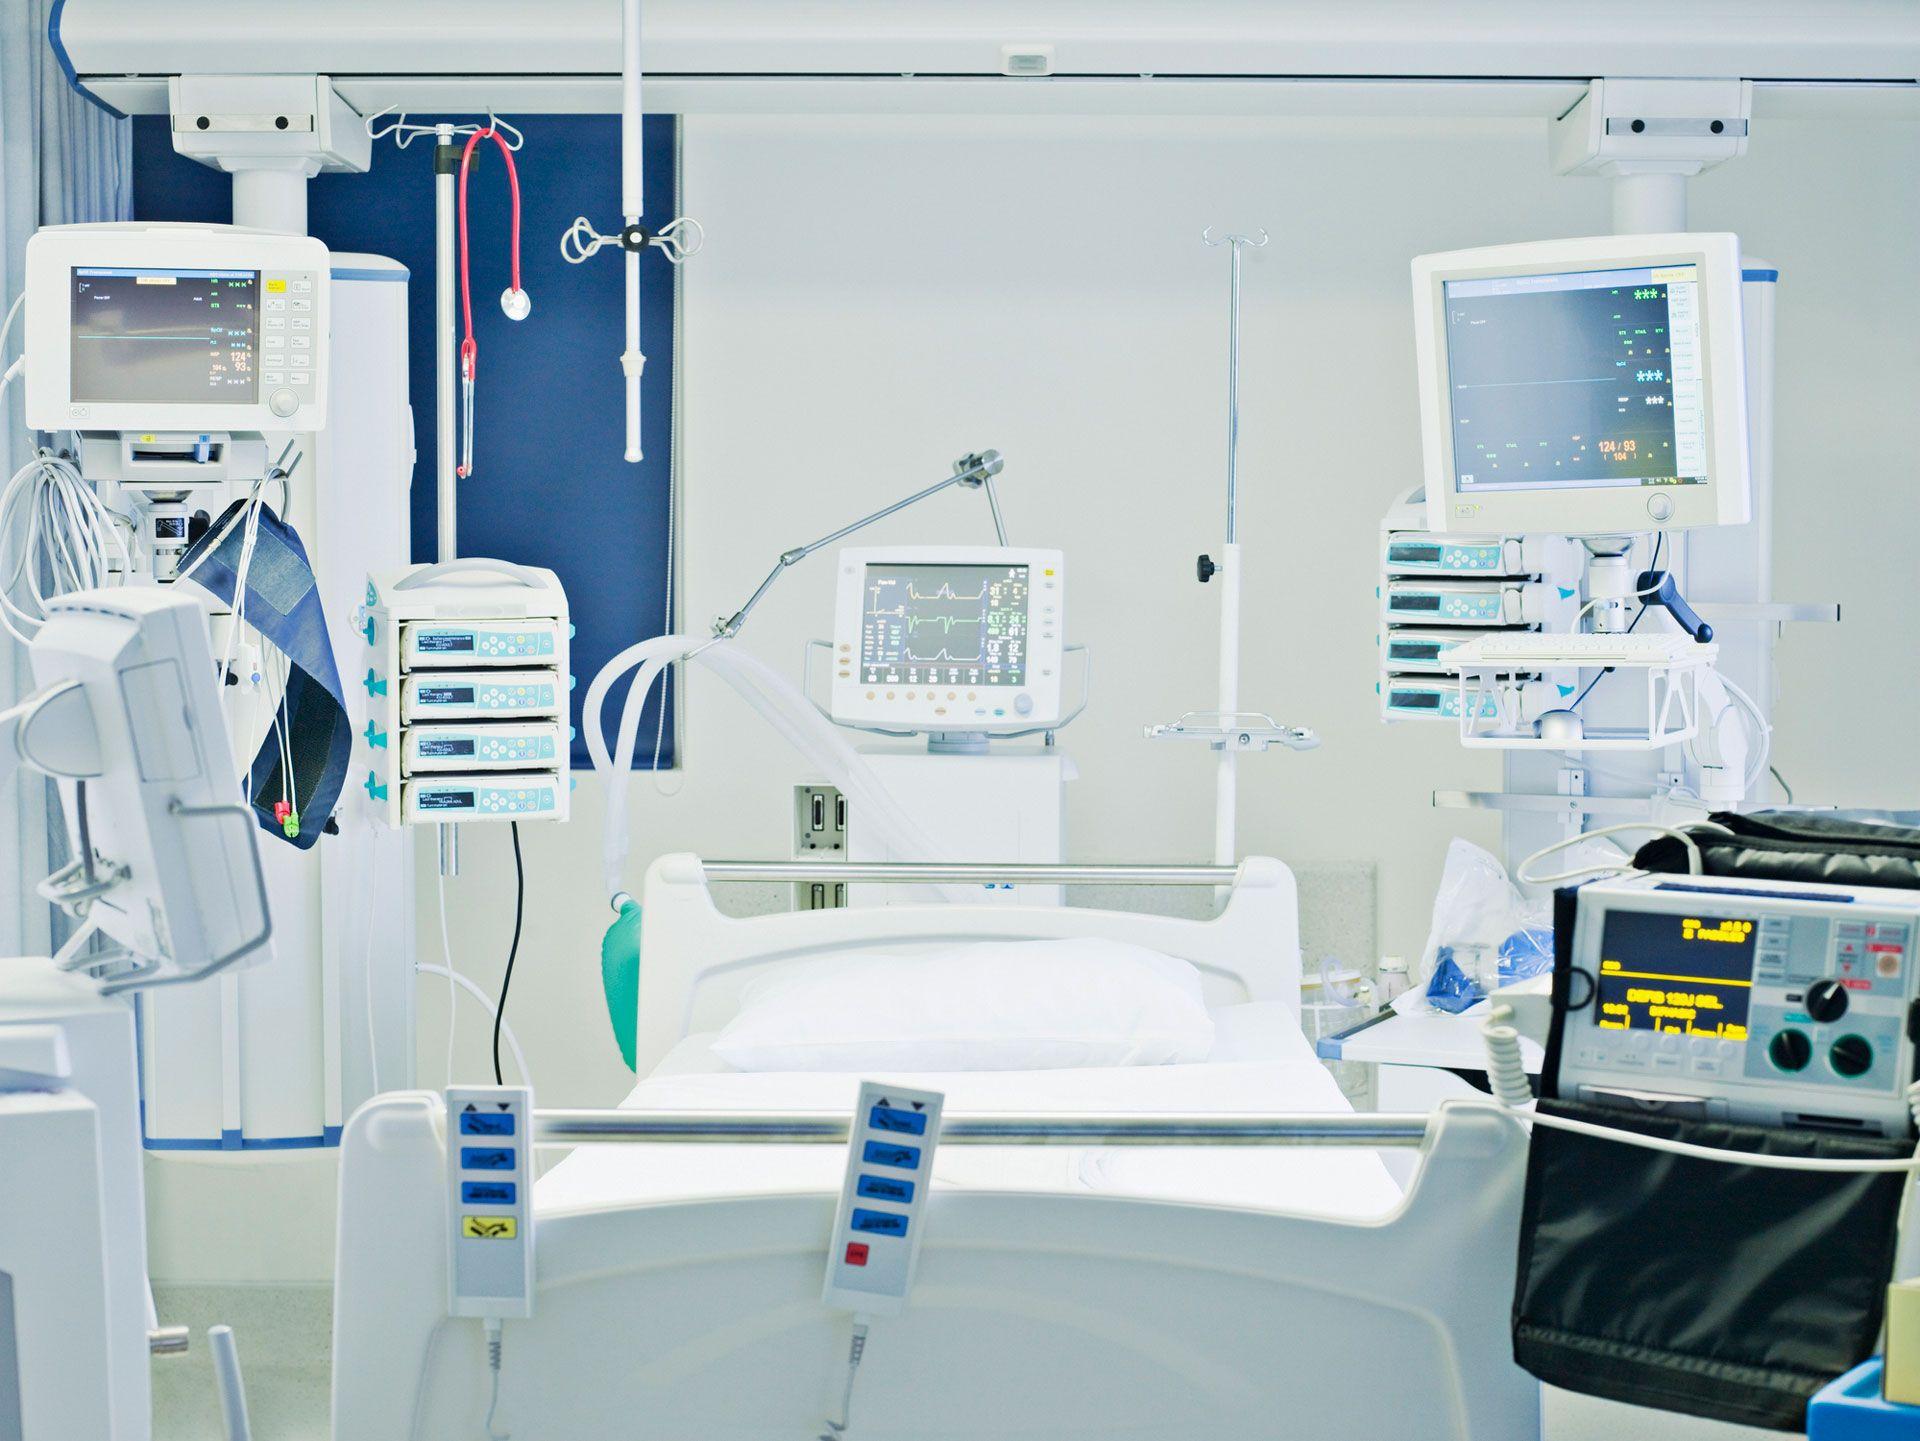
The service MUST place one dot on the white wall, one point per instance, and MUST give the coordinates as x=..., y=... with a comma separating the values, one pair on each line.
x=880, y=294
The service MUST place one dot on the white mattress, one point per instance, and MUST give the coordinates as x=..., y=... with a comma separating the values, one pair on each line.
x=1260, y=1062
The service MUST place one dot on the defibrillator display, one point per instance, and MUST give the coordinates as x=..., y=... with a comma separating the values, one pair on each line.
x=1692, y=975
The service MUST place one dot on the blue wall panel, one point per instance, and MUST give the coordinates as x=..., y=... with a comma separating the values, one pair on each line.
x=549, y=485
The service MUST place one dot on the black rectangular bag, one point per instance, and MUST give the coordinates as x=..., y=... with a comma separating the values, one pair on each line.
x=1705, y=1287
x=1820, y=846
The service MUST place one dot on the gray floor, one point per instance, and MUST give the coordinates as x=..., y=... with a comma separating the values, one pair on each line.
x=284, y=1337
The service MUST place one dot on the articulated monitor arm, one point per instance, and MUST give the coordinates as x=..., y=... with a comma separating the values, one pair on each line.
x=975, y=471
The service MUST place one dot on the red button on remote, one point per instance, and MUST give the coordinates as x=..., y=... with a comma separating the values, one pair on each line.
x=856, y=1253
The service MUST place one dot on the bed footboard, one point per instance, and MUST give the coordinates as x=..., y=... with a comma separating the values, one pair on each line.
x=1068, y=1316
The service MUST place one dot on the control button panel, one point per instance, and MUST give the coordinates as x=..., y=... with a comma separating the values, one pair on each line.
x=1459, y=603
x=506, y=797
x=475, y=695
x=533, y=641
x=876, y=1236
x=286, y=351
x=489, y=1183
x=482, y=746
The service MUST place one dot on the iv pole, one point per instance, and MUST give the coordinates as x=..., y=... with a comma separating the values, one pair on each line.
x=1228, y=729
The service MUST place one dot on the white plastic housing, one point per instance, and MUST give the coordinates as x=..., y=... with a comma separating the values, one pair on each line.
x=1723, y=498
x=948, y=704
x=293, y=288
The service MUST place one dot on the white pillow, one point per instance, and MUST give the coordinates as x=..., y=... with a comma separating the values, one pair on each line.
x=989, y=1006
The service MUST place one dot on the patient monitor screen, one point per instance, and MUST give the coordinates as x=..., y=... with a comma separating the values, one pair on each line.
x=166, y=337
x=944, y=625
x=1689, y=974
x=1577, y=380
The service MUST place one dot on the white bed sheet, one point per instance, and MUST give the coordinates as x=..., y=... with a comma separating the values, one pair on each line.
x=1260, y=1062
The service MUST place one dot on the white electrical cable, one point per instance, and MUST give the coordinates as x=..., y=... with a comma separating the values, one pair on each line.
x=1504, y=1064
x=56, y=537
x=838, y=1429
x=472, y=988
x=673, y=500
x=1600, y=600
x=372, y=893
x=1692, y=852
x=494, y=1348
x=1761, y=730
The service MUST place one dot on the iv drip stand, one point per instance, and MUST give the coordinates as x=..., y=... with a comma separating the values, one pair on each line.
x=1228, y=729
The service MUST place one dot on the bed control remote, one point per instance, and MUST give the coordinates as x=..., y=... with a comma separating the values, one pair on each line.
x=490, y=1216
x=876, y=1235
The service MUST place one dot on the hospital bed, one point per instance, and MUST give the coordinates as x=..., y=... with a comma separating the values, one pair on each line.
x=1210, y=1249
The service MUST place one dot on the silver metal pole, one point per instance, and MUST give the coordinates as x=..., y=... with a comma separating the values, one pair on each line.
x=444, y=262
x=825, y=1128
x=968, y=873
x=1233, y=397
x=447, y=486
x=977, y=469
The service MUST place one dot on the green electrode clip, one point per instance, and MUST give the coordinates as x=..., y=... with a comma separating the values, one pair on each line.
x=620, y=973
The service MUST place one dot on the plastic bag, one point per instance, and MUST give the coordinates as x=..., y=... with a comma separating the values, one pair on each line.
x=1485, y=934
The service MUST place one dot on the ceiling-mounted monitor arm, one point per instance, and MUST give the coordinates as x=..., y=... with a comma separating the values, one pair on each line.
x=975, y=471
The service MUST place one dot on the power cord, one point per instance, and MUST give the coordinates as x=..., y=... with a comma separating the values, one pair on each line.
x=1507, y=1075
x=837, y=1429
x=513, y=951
x=493, y=1364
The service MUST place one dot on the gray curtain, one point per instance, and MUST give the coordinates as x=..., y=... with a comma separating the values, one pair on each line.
x=63, y=160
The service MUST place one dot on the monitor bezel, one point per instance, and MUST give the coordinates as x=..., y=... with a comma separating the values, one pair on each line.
x=1724, y=498
x=54, y=253
x=919, y=710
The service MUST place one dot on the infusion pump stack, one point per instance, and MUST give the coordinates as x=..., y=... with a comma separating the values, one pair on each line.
x=181, y=369
x=964, y=646
x=1596, y=430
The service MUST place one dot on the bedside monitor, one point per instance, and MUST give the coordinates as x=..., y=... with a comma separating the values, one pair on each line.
x=949, y=638
x=1584, y=387
x=136, y=327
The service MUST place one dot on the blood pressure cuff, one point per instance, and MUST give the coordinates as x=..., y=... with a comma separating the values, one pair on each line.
x=1837, y=849
x=283, y=604
x=1704, y=1287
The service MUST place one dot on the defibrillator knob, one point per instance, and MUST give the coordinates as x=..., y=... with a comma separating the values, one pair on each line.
x=1851, y=1056
x=1826, y=1000
x=1790, y=1050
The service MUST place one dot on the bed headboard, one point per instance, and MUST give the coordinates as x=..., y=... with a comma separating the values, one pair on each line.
x=694, y=961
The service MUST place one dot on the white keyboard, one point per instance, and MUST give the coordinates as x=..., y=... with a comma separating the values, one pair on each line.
x=1539, y=650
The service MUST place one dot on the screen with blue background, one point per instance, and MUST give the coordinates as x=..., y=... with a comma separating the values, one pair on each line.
x=549, y=485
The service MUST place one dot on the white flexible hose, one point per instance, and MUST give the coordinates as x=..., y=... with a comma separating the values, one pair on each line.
x=776, y=699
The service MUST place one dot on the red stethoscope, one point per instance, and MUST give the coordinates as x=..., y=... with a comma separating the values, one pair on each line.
x=513, y=300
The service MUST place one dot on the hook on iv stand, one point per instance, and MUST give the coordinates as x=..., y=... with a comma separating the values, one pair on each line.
x=405, y=131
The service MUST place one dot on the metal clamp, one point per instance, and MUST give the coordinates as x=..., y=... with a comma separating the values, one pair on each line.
x=1240, y=731
x=145, y=979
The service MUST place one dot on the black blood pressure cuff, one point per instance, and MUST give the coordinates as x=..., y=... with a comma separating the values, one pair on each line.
x=1714, y=1289
x=1827, y=848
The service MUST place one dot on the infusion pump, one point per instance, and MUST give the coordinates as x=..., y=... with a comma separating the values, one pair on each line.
x=1774, y=1003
